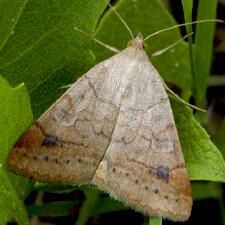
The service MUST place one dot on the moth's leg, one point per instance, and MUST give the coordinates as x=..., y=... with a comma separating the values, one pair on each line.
x=161, y=51
x=166, y=87
x=180, y=99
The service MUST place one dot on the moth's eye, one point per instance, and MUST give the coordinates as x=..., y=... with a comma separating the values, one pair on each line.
x=145, y=46
x=129, y=43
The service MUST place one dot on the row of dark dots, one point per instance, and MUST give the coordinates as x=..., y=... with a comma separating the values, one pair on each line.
x=146, y=187
x=56, y=161
x=113, y=170
x=46, y=158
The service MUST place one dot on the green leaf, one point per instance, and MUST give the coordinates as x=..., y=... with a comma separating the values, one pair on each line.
x=203, y=160
x=15, y=117
x=204, y=190
x=202, y=57
x=96, y=204
x=91, y=198
x=54, y=188
x=155, y=221
x=147, y=17
x=106, y=204
x=52, y=209
x=220, y=138
x=42, y=49
x=10, y=12
x=187, y=6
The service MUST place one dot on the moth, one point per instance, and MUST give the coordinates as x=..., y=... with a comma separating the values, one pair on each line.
x=113, y=128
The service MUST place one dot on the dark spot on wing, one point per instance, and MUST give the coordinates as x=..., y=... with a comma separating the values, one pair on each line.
x=163, y=173
x=49, y=141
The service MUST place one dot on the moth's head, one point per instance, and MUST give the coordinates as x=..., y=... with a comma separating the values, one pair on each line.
x=138, y=42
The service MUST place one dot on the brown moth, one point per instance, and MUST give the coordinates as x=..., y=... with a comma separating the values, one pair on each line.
x=114, y=128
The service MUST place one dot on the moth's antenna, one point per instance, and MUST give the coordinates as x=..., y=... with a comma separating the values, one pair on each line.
x=181, y=25
x=122, y=20
x=113, y=49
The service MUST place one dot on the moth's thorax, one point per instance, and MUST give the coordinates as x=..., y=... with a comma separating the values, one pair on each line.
x=137, y=42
